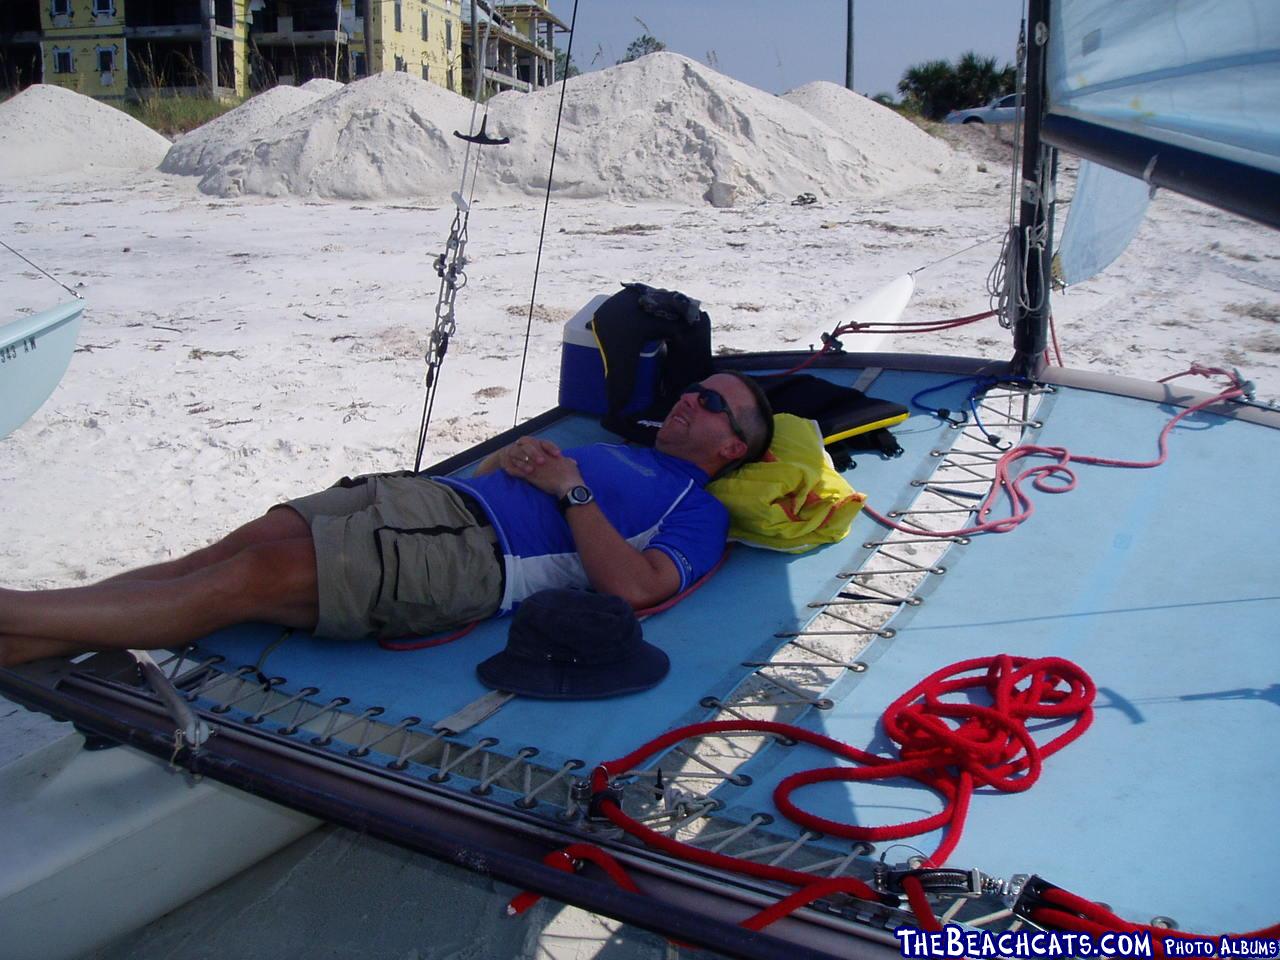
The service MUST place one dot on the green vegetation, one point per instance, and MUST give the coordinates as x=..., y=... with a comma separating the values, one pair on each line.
x=176, y=115
x=565, y=67
x=936, y=87
x=641, y=46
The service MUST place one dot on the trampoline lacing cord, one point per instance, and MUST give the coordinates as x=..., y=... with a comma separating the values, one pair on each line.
x=1009, y=485
x=948, y=746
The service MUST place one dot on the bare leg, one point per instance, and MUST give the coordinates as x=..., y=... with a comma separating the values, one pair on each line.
x=273, y=526
x=16, y=650
x=275, y=582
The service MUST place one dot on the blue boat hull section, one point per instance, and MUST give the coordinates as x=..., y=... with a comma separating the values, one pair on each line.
x=1167, y=804
x=34, y=354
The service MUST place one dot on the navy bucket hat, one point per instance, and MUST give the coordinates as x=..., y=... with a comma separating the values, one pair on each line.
x=574, y=645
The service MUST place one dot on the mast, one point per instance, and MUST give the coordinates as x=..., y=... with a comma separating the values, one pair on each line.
x=848, y=49
x=1032, y=243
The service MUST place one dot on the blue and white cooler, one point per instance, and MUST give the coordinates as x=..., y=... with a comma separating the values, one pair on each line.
x=582, y=368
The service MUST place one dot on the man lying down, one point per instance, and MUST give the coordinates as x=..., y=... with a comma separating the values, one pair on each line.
x=393, y=555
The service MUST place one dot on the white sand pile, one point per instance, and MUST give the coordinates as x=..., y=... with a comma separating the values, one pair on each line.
x=389, y=135
x=886, y=139
x=51, y=130
x=210, y=144
x=667, y=127
x=661, y=128
x=322, y=86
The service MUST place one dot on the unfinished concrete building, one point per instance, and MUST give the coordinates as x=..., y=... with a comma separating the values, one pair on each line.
x=21, y=63
x=519, y=41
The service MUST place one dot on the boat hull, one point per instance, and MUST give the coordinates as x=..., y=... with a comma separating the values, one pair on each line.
x=35, y=352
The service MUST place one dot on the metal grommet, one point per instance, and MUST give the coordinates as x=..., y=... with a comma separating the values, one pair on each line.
x=824, y=704
x=858, y=666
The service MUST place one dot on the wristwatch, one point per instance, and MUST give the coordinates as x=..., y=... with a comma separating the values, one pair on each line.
x=578, y=496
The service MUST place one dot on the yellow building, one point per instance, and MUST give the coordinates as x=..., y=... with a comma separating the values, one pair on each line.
x=112, y=49
x=297, y=40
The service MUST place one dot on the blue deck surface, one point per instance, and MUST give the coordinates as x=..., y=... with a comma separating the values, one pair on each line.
x=707, y=636
x=1159, y=583
x=1162, y=584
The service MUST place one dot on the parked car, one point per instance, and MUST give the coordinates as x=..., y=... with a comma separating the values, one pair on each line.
x=999, y=110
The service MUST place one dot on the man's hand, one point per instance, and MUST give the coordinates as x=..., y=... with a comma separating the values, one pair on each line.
x=538, y=462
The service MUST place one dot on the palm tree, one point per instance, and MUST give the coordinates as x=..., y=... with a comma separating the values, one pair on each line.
x=929, y=87
x=936, y=87
x=978, y=80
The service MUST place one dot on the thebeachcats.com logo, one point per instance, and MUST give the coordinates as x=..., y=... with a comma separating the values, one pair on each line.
x=957, y=941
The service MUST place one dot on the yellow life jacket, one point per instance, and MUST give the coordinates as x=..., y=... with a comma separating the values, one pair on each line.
x=791, y=500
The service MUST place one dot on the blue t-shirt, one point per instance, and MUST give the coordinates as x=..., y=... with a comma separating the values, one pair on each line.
x=655, y=501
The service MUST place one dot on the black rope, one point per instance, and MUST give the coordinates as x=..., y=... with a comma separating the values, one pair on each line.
x=41, y=269
x=555, y=142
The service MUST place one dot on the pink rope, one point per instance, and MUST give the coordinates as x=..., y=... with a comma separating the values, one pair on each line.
x=1057, y=476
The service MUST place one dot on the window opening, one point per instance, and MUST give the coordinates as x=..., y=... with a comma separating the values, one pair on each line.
x=426, y=25
x=62, y=62
x=60, y=8
x=399, y=20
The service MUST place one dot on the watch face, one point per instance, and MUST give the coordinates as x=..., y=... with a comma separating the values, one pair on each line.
x=580, y=495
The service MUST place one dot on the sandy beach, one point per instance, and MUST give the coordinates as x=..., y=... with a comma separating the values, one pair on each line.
x=236, y=352
x=243, y=347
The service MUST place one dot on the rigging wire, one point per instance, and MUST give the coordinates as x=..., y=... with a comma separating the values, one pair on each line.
x=41, y=269
x=972, y=246
x=546, y=204
x=450, y=266
x=998, y=280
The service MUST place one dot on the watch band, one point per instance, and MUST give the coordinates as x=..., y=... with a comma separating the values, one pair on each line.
x=577, y=496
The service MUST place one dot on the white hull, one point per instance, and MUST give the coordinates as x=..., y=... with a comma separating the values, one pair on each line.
x=111, y=840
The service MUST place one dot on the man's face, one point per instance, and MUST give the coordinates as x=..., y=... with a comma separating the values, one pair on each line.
x=696, y=433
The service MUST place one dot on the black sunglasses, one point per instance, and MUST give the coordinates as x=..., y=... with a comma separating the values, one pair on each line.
x=713, y=402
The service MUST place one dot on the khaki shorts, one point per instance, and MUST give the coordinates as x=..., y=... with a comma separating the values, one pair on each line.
x=400, y=555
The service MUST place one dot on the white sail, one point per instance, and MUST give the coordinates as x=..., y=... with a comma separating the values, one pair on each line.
x=1105, y=213
x=1199, y=74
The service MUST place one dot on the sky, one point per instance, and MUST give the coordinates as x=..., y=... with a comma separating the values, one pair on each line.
x=777, y=45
